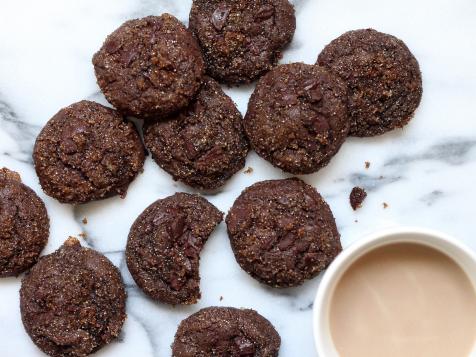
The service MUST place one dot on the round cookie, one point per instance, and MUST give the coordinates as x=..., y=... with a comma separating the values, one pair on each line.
x=241, y=39
x=87, y=152
x=149, y=67
x=226, y=331
x=73, y=301
x=383, y=77
x=24, y=225
x=297, y=117
x=282, y=232
x=204, y=145
x=164, y=244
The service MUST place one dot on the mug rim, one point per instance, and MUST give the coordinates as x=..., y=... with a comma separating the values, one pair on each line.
x=367, y=243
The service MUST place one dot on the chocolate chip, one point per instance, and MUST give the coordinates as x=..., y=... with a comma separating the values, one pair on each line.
x=175, y=283
x=315, y=95
x=286, y=241
x=265, y=12
x=290, y=99
x=112, y=46
x=320, y=125
x=128, y=57
x=219, y=17
x=177, y=226
x=245, y=346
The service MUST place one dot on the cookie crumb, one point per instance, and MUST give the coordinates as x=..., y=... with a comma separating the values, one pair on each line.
x=357, y=196
x=83, y=235
x=367, y=164
x=385, y=205
x=249, y=170
x=85, y=220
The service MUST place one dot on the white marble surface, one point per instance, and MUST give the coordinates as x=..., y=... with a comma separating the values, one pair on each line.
x=426, y=172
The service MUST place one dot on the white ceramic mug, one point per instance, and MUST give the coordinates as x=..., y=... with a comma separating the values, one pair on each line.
x=462, y=255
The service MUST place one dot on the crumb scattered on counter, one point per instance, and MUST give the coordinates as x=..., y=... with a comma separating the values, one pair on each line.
x=367, y=164
x=385, y=205
x=83, y=235
x=356, y=221
x=85, y=220
x=249, y=170
x=221, y=298
x=381, y=177
x=357, y=196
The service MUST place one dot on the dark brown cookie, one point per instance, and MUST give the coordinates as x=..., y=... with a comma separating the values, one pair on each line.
x=164, y=245
x=205, y=144
x=383, y=76
x=282, y=232
x=241, y=39
x=73, y=302
x=24, y=225
x=87, y=152
x=297, y=117
x=226, y=331
x=149, y=67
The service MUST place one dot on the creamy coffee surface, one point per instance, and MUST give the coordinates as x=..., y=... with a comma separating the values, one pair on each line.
x=404, y=300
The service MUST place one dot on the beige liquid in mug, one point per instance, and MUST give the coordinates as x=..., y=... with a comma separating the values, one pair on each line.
x=404, y=300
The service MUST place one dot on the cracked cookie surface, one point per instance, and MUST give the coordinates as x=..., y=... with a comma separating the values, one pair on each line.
x=383, y=77
x=241, y=39
x=73, y=302
x=226, y=331
x=282, y=232
x=87, y=152
x=164, y=245
x=297, y=117
x=205, y=144
x=24, y=225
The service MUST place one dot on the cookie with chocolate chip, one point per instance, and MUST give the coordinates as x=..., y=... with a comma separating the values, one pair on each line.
x=24, y=225
x=297, y=117
x=241, y=39
x=164, y=245
x=226, y=331
x=87, y=152
x=73, y=302
x=282, y=232
x=383, y=76
x=204, y=145
x=149, y=67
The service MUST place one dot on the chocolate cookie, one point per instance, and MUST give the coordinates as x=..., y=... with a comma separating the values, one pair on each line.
x=226, y=331
x=383, y=76
x=24, y=225
x=282, y=232
x=164, y=245
x=204, y=145
x=241, y=39
x=73, y=301
x=149, y=67
x=297, y=117
x=87, y=152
